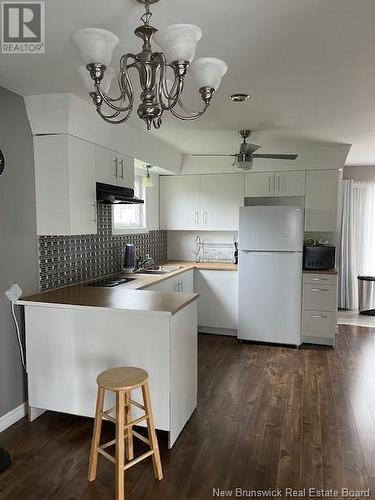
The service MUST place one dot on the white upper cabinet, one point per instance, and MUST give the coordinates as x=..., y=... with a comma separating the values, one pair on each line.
x=65, y=185
x=259, y=184
x=221, y=197
x=205, y=202
x=290, y=183
x=269, y=184
x=322, y=202
x=113, y=168
x=180, y=202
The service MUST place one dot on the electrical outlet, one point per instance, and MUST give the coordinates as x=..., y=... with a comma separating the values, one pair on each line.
x=14, y=292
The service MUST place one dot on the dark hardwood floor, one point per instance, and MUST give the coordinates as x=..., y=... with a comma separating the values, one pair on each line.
x=267, y=417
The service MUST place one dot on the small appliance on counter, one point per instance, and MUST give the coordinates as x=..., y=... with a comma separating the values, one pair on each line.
x=130, y=260
x=319, y=257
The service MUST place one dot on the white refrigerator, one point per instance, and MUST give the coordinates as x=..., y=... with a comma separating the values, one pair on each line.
x=270, y=274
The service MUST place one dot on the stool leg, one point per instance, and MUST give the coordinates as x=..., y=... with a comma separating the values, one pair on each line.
x=158, y=471
x=120, y=444
x=96, y=435
x=129, y=434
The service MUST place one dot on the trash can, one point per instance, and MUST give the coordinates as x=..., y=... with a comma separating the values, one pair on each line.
x=366, y=295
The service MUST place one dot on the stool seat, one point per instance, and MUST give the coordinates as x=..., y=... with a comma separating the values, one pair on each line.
x=122, y=378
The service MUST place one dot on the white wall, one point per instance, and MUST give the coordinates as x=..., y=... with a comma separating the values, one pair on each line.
x=66, y=113
x=360, y=173
x=181, y=244
x=18, y=240
x=152, y=205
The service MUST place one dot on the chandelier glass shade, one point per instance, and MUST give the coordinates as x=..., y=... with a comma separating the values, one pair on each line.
x=161, y=74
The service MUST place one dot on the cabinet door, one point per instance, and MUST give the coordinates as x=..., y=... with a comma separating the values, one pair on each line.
x=82, y=186
x=259, y=184
x=179, y=202
x=185, y=282
x=217, y=303
x=168, y=285
x=125, y=169
x=290, y=183
x=221, y=197
x=114, y=168
x=106, y=166
x=323, y=188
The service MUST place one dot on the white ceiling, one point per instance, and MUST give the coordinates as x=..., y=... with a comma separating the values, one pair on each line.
x=309, y=66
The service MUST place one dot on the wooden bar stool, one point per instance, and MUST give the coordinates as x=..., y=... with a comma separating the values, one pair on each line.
x=122, y=381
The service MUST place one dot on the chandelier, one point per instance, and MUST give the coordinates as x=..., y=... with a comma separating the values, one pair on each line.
x=161, y=74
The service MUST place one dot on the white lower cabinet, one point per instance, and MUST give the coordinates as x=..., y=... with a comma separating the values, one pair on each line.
x=217, y=302
x=319, y=315
x=183, y=282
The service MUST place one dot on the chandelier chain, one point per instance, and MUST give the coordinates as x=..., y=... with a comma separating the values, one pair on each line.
x=147, y=15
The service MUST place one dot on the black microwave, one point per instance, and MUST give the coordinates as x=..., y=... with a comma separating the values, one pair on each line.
x=319, y=257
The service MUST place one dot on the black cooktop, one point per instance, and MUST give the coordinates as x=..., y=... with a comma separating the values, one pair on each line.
x=110, y=281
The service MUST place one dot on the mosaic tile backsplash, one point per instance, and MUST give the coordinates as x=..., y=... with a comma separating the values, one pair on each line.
x=64, y=260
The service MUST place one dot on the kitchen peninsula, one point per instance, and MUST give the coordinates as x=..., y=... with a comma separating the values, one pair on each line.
x=76, y=332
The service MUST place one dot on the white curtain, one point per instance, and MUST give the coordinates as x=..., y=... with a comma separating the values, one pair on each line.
x=357, y=253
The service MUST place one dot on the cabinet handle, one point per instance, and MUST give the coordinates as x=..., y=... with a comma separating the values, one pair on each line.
x=319, y=290
x=181, y=289
x=320, y=316
x=196, y=217
x=278, y=183
x=122, y=169
x=116, y=167
x=269, y=183
x=319, y=279
x=205, y=217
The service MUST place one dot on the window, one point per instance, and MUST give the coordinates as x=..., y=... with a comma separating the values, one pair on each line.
x=131, y=218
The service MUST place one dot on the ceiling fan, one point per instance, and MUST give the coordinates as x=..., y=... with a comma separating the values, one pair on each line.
x=244, y=159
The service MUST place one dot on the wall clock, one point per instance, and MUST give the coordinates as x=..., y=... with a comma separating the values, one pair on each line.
x=2, y=162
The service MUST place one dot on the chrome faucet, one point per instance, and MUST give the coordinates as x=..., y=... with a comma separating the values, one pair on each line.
x=145, y=262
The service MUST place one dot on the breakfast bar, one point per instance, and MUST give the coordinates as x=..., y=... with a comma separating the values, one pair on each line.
x=76, y=332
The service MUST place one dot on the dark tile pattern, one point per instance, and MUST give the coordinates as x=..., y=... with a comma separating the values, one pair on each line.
x=64, y=260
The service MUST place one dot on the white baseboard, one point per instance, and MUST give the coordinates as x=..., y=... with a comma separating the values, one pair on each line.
x=13, y=416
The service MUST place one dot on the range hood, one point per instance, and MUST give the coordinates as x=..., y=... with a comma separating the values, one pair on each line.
x=106, y=194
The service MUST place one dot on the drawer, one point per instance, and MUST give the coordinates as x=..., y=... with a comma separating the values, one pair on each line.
x=320, y=297
x=319, y=326
x=328, y=279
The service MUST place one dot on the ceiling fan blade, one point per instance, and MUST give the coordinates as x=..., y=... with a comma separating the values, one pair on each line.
x=249, y=148
x=212, y=156
x=275, y=156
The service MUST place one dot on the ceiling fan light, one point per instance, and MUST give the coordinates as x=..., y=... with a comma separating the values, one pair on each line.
x=95, y=45
x=208, y=71
x=178, y=41
x=88, y=82
x=243, y=162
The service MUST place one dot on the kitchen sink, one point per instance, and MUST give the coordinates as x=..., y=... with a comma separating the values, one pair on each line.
x=159, y=270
